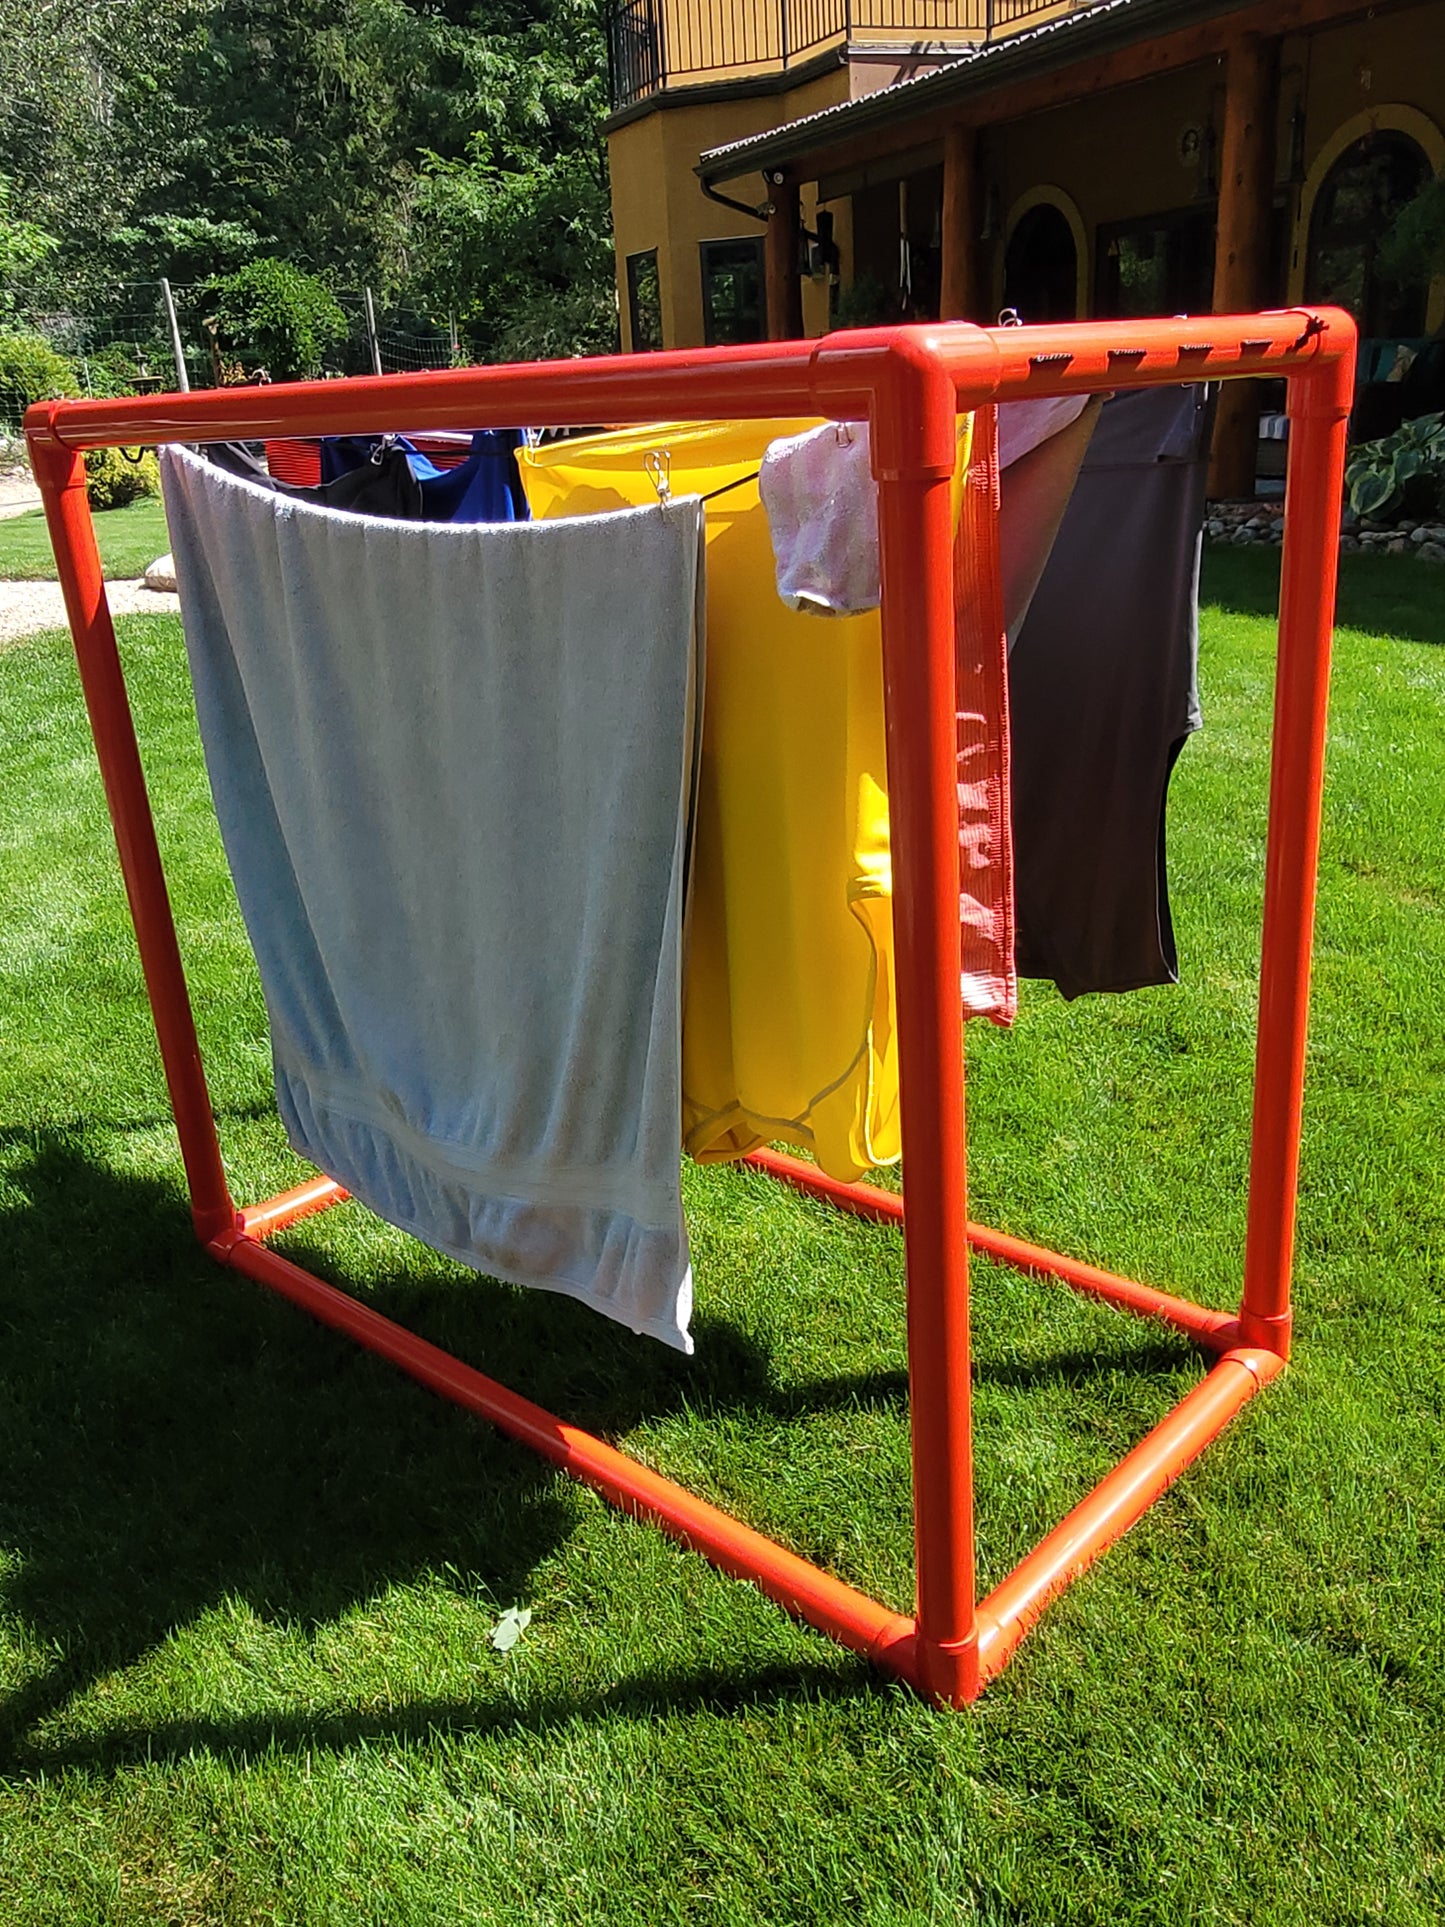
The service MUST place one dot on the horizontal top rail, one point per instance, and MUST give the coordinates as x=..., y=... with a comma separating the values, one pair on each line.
x=840, y=375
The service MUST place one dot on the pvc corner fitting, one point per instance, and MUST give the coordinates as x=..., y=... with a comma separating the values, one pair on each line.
x=914, y=434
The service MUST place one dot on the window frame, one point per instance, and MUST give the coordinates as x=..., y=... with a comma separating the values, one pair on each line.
x=632, y=264
x=706, y=252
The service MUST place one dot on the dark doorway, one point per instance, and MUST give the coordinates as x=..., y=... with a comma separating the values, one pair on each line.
x=1358, y=199
x=1041, y=267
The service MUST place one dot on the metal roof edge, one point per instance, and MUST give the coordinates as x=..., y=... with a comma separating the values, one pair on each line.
x=1103, y=28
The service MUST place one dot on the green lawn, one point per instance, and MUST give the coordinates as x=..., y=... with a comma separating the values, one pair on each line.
x=247, y=1574
x=130, y=540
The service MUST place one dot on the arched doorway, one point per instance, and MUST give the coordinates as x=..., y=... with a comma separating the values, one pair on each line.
x=1358, y=199
x=1041, y=266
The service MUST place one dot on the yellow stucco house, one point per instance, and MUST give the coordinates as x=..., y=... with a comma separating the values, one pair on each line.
x=780, y=166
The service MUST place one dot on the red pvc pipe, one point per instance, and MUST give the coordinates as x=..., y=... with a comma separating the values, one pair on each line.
x=1318, y=412
x=842, y=374
x=915, y=520
x=1090, y=357
x=1120, y=1498
x=1216, y=1330
x=759, y=380
x=60, y=476
x=908, y=383
x=848, y=1616
x=271, y=1215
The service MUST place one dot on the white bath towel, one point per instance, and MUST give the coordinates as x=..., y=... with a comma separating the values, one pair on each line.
x=452, y=767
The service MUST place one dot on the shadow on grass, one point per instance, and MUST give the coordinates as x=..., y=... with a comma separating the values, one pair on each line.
x=1381, y=595
x=174, y=1438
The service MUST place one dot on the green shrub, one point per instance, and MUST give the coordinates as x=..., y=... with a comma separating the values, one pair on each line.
x=274, y=316
x=1382, y=475
x=30, y=371
x=113, y=479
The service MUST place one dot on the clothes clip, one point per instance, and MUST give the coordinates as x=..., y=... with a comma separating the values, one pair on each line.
x=658, y=463
x=843, y=434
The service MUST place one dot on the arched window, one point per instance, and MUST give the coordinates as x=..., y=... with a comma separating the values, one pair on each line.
x=1358, y=199
x=1041, y=266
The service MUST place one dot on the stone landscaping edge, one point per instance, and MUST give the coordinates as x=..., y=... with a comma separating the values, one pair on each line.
x=1261, y=525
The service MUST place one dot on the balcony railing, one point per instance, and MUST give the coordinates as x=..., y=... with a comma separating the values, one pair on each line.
x=652, y=44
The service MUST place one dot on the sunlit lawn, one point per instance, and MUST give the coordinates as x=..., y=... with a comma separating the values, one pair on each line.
x=248, y=1575
x=130, y=539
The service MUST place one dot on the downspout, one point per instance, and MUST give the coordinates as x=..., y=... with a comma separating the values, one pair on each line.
x=759, y=213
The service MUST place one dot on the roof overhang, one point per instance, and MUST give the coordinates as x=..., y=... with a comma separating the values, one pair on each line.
x=1012, y=77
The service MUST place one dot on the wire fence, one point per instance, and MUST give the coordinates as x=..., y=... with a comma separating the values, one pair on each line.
x=129, y=349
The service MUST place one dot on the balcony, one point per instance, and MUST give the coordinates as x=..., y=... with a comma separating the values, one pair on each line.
x=657, y=44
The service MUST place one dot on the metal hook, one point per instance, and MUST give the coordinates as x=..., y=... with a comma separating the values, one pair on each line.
x=658, y=463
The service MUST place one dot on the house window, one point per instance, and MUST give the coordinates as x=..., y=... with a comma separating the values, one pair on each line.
x=644, y=302
x=1357, y=202
x=733, y=307
x=1161, y=265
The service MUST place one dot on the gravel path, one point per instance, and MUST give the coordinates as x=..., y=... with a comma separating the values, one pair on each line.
x=28, y=607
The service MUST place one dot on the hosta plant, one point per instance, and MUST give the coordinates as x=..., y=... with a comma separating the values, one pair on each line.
x=1377, y=474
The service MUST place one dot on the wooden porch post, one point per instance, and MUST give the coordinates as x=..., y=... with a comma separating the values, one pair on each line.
x=1241, y=254
x=784, y=282
x=960, y=295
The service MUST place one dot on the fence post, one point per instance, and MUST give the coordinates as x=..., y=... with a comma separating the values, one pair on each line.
x=452, y=336
x=375, y=345
x=183, y=380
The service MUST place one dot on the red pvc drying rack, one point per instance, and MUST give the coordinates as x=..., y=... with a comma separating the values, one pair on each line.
x=909, y=383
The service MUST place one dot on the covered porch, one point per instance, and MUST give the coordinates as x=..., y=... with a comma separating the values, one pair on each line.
x=1148, y=158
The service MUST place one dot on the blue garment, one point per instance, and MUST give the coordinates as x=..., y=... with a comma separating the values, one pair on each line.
x=486, y=487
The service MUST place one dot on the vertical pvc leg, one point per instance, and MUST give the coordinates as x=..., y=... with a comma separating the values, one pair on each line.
x=1319, y=407
x=61, y=477
x=916, y=529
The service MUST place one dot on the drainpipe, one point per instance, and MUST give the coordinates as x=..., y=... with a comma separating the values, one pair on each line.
x=758, y=213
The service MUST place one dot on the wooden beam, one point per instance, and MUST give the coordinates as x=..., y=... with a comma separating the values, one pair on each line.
x=960, y=294
x=1246, y=174
x=1241, y=250
x=784, y=282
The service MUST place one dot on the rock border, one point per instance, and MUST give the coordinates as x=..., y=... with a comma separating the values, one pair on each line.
x=1261, y=525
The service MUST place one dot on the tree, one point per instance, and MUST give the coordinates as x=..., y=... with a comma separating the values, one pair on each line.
x=514, y=235
x=87, y=123
x=23, y=246
x=286, y=319
x=448, y=152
